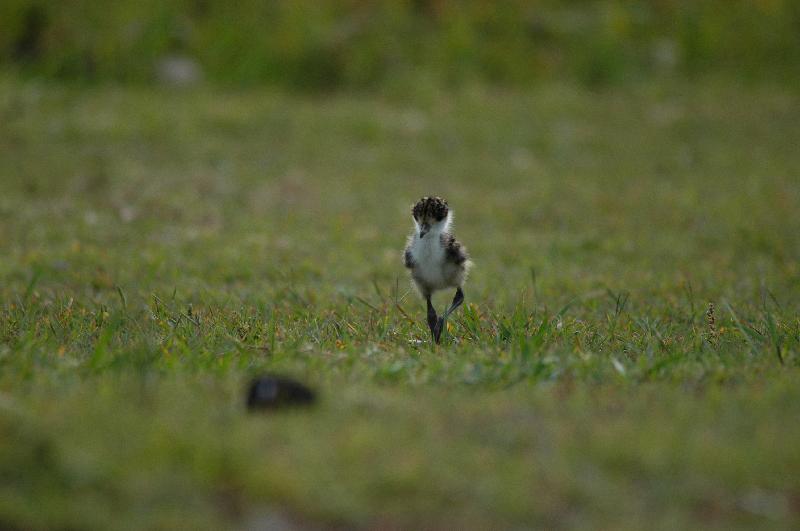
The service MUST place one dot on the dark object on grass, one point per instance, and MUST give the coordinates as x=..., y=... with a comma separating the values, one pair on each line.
x=274, y=392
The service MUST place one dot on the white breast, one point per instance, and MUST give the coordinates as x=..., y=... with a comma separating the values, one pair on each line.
x=429, y=263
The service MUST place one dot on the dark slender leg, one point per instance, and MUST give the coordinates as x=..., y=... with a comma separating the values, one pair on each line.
x=458, y=299
x=433, y=321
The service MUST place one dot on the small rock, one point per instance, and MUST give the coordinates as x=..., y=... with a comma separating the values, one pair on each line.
x=178, y=70
x=273, y=392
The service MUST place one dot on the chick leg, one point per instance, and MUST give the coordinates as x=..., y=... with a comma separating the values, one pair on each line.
x=458, y=299
x=433, y=321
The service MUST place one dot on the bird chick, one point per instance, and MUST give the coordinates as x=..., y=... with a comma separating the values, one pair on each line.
x=435, y=258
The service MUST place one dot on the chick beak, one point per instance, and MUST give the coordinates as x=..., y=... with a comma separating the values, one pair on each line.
x=423, y=230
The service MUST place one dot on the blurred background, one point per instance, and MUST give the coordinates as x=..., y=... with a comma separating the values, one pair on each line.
x=350, y=44
x=555, y=125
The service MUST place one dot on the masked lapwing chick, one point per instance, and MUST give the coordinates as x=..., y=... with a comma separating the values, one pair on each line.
x=435, y=258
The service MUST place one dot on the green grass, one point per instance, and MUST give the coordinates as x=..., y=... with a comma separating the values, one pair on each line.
x=159, y=248
x=385, y=44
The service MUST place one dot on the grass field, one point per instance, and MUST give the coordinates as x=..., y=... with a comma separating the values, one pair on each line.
x=159, y=248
